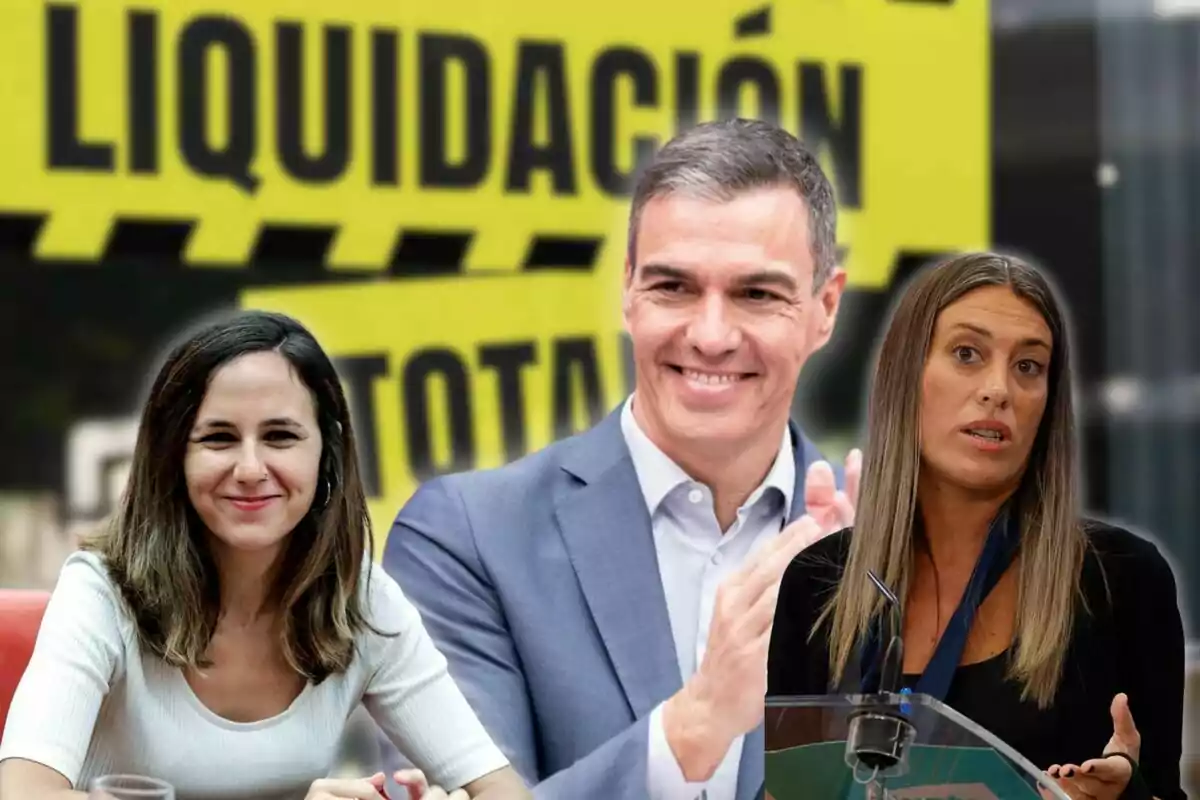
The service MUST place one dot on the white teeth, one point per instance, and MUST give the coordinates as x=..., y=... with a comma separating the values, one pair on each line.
x=986, y=434
x=710, y=379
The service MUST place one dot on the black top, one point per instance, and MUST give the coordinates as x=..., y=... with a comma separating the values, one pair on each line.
x=1133, y=644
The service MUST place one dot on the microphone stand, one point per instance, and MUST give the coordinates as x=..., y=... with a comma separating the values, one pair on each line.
x=880, y=732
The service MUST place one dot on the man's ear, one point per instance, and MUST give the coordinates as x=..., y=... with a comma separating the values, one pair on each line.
x=829, y=298
x=626, y=292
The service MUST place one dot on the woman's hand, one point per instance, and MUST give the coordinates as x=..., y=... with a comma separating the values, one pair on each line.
x=1106, y=777
x=362, y=789
x=419, y=789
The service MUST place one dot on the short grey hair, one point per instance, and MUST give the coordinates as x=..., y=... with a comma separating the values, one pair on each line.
x=720, y=160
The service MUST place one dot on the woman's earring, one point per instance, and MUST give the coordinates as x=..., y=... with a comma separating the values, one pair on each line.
x=328, y=493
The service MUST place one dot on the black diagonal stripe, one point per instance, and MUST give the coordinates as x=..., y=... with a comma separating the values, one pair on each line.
x=756, y=23
x=292, y=252
x=909, y=262
x=160, y=241
x=563, y=252
x=421, y=252
x=19, y=233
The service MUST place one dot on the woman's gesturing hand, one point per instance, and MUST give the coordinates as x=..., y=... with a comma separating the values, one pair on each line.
x=1104, y=778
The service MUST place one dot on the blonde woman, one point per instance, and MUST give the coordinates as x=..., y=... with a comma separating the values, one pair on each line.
x=1052, y=631
x=222, y=631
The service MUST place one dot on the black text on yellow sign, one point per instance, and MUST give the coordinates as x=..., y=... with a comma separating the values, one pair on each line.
x=539, y=83
x=444, y=382
x=452, y=373
x=504, y=120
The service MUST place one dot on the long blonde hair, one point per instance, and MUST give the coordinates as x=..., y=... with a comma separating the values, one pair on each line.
x=1047, y=500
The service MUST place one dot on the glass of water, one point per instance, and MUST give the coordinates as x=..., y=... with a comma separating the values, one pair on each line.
x=133, y=787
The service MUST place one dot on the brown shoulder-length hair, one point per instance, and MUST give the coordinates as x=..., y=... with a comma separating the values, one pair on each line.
x=1046, y=501
x=155, y=545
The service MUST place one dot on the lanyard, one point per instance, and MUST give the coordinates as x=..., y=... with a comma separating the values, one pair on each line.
x=999, y=550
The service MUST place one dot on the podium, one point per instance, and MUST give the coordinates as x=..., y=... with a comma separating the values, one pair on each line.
x=890, y=747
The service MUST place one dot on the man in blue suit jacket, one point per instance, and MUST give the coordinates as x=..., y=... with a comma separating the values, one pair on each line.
x=605, y=603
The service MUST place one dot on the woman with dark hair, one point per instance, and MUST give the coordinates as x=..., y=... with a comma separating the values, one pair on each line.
x=1052, y=631
x=229, y=619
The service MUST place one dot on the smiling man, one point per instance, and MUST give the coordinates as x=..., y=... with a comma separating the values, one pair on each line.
x=605, y=603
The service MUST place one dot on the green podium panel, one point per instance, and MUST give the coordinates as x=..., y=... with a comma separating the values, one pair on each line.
x=890, y=747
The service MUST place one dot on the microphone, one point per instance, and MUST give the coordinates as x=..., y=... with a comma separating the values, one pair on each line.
x=893, y=655
x=880, y=734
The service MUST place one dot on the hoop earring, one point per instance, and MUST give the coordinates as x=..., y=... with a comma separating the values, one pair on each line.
x=328, y=494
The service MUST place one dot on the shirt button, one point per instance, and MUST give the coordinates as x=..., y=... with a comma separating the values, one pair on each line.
x=695, y=495
x=717, y=558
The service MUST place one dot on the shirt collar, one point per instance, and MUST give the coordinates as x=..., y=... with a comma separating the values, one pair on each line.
x=658, y=475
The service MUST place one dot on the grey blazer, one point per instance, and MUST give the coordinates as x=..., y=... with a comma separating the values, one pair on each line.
x=539, y=582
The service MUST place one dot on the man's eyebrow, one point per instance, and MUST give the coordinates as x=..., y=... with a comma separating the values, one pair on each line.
x=664, y=272
x=769, y=277
x=763, y=277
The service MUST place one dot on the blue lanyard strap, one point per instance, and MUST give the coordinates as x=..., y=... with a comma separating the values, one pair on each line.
x=999, y=550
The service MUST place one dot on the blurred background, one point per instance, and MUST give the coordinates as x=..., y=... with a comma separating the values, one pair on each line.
x=440, y=193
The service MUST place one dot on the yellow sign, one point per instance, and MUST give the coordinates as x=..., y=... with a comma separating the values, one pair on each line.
x=500, y=121
x=448, y=374
x=493, y=140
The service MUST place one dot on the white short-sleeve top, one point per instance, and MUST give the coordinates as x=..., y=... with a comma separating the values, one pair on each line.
x=91, y=703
